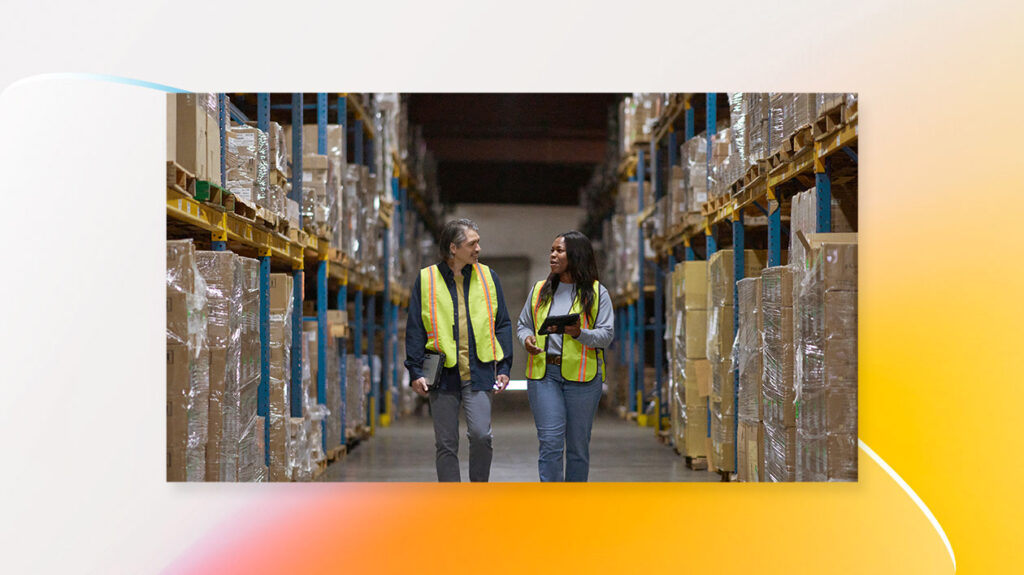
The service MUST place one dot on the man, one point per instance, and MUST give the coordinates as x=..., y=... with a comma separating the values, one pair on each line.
x=457, y=308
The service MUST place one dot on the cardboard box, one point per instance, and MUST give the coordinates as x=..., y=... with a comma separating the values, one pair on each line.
x=720, y=332
x=831, y=457
x=215, y=424
x=721, y=273
x=723, y=385
x=191, y=117
x=777, y=286
x=840, y=315
x=751, y=390
x=695, y=432
x=778, y=389
x=723, y=443
x=778, y=325
x=696, y=322
x=836, y=267
x=695, y=285
x=213, y=148
x=177, y=317
x=178, y=382
x=751, y=454
x=780, y=453
x=280, y=292
x=697, y=381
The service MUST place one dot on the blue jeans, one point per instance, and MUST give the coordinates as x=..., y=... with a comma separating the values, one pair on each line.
x=564, y=413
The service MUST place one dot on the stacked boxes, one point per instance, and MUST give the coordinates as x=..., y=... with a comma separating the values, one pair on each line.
x=757, y=126
x=747, y=353
x=193, y=134
x=247, y=164
x=696, y=371
x=251, y=463
x=790, y=112
x=279, y=156
x=826, y=420
x=720, y=336
x=224, y=296
x=188, y=365
x=280, y=374
x=779, y=392
x=357, y=385
x=693, y=155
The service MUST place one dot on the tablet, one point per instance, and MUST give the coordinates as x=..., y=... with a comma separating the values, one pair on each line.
x=559, y=321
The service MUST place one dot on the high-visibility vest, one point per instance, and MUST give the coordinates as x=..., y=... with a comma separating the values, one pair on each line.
x=438, y=311
x=579, y=362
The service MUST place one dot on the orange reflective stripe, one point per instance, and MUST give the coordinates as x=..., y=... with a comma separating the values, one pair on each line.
x=490, y=314
x=583, y=364
x=433, y=310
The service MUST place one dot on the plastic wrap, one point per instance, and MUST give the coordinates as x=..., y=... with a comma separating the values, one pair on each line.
x=314, y=193
x=188, y=364
x=723, y=164
x=748, y=349
x=280, y=374
x=693, y=157
x=348, y=236
x=826, y=331
x=333, y=394
x=738, y=126
x=823, y=102
x=757, y=126
x=778, y=390
x=357, y=386
x=279, y=150
x=779, y=453
x=776, y=120
x=251, y=466
x=223, y=277
x=247, y=164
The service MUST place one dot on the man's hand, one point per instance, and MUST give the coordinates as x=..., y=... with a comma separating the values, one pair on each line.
x=501, y=383
x=531, y=345
x=420, y=386
x=574, y=329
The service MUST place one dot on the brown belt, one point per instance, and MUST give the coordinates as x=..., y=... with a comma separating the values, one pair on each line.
x=553, y=359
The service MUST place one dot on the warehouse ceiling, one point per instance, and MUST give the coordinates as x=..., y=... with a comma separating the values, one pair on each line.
x=514, y=148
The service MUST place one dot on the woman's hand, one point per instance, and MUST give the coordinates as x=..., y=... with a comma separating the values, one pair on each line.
x=531, y=345
x=574, y=329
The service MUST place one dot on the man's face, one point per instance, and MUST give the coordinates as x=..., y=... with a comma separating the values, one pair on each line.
x=468, y=253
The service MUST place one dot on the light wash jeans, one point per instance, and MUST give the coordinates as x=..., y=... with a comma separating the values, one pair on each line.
x=564, y=413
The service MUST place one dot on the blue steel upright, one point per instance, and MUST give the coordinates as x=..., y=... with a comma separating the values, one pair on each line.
x=357, y=139
x=222, y=113
x=321, y=283
x=263, y=391
x=263, y=111
x=711, y=107
x=823, y=186
x=690, y=121
x=630, y=352
x=641, y=318
x=297, y=291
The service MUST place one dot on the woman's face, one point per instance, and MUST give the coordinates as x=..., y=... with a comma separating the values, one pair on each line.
x=558, y=260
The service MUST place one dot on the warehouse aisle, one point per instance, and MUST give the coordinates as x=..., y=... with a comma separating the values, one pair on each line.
x=619, y=451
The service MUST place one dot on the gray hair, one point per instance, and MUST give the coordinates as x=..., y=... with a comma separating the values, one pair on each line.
x=454, y=232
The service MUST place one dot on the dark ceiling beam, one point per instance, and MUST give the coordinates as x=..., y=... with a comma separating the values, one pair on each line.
x=530, y=150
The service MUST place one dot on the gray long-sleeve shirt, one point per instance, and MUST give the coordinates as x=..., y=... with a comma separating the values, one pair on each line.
x=600, y=336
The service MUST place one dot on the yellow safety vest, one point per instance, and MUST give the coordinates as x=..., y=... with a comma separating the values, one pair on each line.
x=579, y=362
x=438, y=311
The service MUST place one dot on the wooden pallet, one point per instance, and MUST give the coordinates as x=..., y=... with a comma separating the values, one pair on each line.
x=697, y=463
x=240, y=207
x=277, y=178
x=298, y=236
x=180, y=179
x=337, y=453
x=714, y=204
x=266, y=218
x=828, y=121
x=850, y=112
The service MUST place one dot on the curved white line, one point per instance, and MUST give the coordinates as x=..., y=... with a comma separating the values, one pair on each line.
x=913, y=496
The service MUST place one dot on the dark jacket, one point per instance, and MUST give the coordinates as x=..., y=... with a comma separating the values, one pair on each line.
x=482, y=374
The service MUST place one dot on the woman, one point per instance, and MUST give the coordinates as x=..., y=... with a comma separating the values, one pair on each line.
x=566, y=372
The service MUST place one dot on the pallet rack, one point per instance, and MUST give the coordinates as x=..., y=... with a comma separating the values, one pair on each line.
x=331, y=268
x=837, y=145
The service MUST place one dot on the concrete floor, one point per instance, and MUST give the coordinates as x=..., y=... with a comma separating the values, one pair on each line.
x=619, y=451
